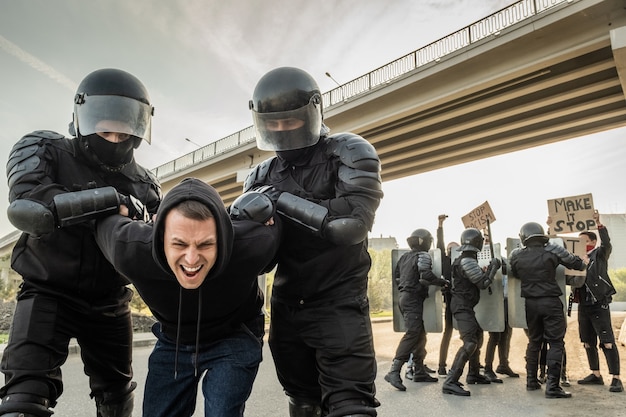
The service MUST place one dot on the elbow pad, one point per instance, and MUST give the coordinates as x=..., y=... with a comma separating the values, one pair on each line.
x=31, y=217
x=80, y=206
x=253, y=206
x=345, y=232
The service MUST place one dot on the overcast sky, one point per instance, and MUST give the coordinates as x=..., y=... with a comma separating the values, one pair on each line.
x=200, y=60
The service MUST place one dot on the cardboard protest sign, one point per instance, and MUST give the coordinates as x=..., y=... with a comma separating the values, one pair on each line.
x=575, y=245
x=479, y=217
x=572, y=214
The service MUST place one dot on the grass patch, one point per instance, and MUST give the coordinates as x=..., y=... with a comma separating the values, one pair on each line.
x=381, y=313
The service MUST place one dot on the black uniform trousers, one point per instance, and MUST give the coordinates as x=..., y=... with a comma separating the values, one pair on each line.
x=470, y=332
x=323, y=352
x=546, y=321
x=594, y=323
x=41, y=332
x=412, y=308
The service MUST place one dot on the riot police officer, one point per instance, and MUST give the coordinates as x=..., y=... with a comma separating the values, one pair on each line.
x=327, y=189
x=69, y=289
x=535, y=265
x=468, y=278
x=413, y=274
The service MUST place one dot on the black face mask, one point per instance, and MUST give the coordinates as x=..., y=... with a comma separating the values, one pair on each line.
x=109, y=153
x=297, y=157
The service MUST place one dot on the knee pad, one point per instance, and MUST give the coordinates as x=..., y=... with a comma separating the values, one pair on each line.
x=26, y=405
x=299, y=407
x=469, y=347
x=116, y=404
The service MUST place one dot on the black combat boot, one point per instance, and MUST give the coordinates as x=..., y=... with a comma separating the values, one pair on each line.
x=393, y=377
x=304, y=408
x=452, y=385
x=36, y=405
x=506, y=370
x=491, y=376
x=473, y=373
x=553, y=389
x=420, y=373
x=532, y=383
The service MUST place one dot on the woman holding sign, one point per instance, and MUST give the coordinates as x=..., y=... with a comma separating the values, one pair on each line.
x=594, y=314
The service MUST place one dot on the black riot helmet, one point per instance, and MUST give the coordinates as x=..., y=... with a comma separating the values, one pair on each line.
x=471, y=240
x=287, y=110
x=113, y=94
x=420, y=240
x=532, y=230
x=112, y=100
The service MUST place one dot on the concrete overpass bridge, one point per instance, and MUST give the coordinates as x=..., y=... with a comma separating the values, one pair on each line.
x=536, y=72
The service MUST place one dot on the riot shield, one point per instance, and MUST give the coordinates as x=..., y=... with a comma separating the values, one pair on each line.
x=433, y=305
x=490, y=309
x=517, y=306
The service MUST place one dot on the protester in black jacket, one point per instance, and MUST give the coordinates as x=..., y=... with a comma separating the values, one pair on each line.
x=197, y=272
x=594, y=313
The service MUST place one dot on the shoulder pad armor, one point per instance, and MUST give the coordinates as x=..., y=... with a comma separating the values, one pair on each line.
x=355, y=152
x=471, y=269
x=424, y=261
x=23, y=157
x=258, y=175
x=360, y=165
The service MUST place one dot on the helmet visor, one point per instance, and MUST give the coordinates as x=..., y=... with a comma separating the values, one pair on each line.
x=113, y=114
x=288, y=130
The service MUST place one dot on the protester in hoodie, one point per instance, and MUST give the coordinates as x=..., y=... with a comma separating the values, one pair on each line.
x=197, y=272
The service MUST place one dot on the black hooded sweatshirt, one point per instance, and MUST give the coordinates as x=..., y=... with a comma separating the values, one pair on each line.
x=230, y=294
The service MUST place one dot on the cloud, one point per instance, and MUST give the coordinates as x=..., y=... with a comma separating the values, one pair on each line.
x=12, y=49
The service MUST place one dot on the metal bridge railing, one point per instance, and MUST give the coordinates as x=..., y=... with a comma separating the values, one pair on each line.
x=433, y=52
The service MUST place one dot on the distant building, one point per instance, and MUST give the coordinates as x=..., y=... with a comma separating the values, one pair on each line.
x=382, y=243
x=616, y=225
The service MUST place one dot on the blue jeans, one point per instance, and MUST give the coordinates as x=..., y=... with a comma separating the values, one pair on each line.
x=229, y=366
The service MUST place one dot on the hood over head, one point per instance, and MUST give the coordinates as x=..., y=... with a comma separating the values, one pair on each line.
x=195, y=189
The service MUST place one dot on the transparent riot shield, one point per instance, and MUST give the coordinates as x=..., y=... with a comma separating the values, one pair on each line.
x=517, y=306
x=490, y=309
x=433, y=305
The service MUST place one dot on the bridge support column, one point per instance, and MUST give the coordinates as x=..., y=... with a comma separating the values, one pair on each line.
x=618, y=45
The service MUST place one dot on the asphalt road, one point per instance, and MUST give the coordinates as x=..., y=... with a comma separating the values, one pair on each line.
x=508, y=399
